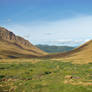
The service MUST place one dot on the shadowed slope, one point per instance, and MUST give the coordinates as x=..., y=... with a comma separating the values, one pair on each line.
x=12, y=46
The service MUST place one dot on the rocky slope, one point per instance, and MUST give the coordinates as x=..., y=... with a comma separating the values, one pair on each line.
x=16, y=46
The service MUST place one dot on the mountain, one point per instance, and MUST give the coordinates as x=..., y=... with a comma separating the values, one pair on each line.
x=54, y=49
x=82, y=54
x=12, y=46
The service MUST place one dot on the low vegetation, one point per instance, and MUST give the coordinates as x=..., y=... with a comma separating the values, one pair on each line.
x=45, y=76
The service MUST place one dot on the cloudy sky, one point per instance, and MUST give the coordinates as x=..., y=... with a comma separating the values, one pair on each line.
x=53, y=22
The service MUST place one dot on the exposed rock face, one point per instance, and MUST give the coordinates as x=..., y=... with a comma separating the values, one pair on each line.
x=10, y=36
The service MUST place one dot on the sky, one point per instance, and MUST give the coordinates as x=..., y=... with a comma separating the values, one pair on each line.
x=52, y=22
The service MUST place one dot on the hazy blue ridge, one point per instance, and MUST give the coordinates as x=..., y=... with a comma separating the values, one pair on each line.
x=55, y=49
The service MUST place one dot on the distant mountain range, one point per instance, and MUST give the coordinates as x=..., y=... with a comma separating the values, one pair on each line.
x=55, y=49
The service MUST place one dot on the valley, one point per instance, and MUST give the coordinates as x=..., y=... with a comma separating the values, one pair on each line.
x=26, y=68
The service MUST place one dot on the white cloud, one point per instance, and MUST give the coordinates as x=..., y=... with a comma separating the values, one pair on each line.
x=68, y=42
x=76, y=29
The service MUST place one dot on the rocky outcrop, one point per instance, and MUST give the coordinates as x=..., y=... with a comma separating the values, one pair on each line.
x=11, y=37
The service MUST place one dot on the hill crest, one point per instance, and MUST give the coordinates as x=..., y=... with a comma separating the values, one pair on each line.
x=10, y=36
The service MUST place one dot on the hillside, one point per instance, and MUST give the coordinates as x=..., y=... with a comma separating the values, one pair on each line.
x=12, y=46
x=82, y=54
x=54, y=49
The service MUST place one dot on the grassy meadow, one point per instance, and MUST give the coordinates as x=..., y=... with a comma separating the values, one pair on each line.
x=29, y=75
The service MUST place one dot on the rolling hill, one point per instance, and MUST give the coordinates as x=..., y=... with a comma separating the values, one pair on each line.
x=82, y=54
x=12, y=46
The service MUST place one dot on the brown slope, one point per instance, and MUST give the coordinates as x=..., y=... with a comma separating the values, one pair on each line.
x=15, y=46
x=82, y=54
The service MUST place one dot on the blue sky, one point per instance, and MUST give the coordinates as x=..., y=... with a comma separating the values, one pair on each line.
x=53, y=22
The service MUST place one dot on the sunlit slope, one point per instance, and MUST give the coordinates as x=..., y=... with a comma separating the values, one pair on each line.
x=82, y=54
x=12, y=46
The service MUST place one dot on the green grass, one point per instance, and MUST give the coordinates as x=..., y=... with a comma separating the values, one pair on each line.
x=44, y=76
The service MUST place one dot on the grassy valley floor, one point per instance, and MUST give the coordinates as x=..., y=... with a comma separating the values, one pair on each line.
x=29, y=75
